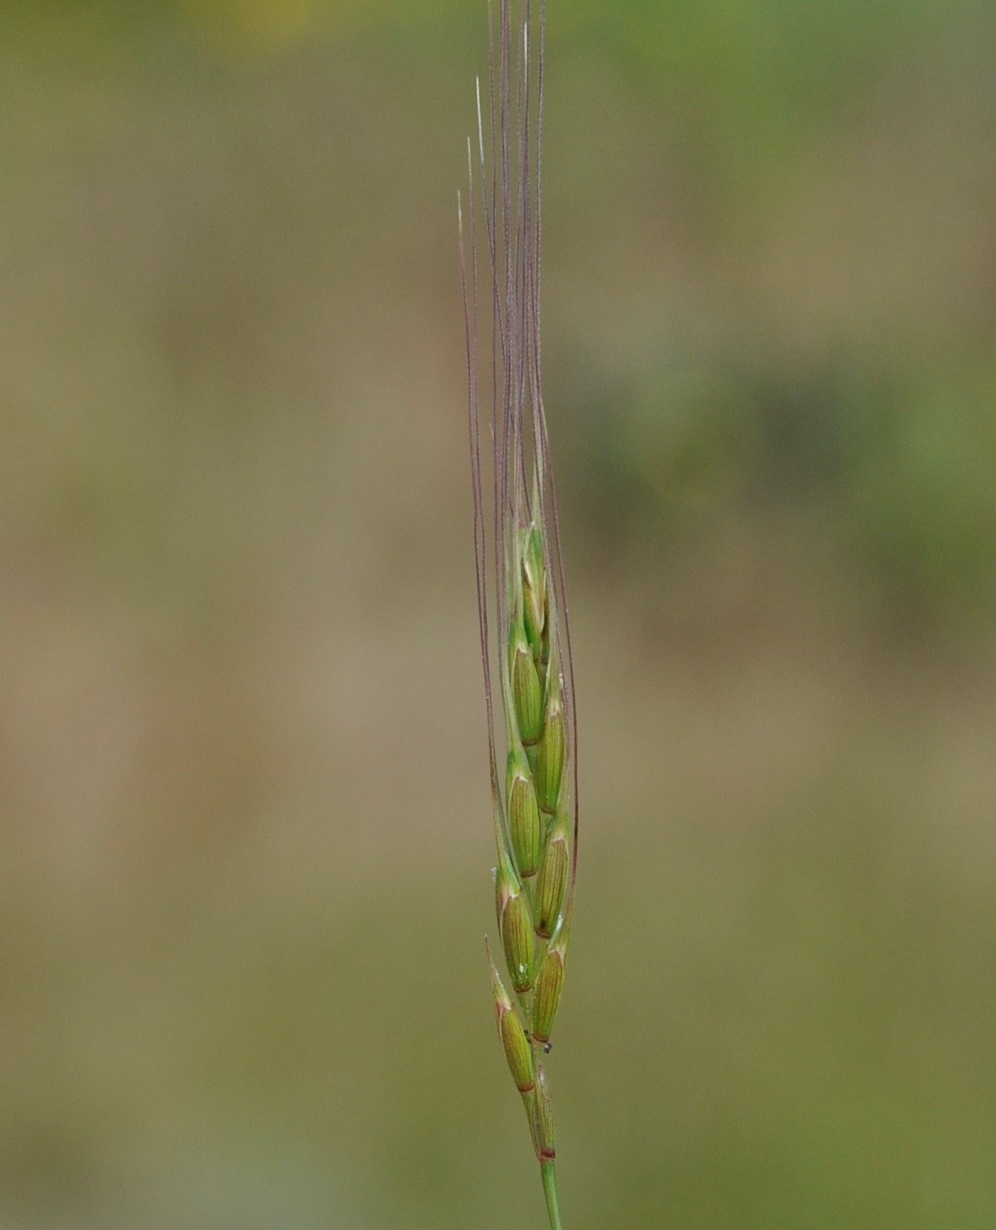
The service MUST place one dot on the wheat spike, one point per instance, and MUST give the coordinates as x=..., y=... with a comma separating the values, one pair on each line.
x=525, y=640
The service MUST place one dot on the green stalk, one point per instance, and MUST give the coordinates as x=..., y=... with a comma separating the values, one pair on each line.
x=548, y=1173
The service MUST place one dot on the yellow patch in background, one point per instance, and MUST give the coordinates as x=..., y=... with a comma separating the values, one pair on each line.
x=254, y=25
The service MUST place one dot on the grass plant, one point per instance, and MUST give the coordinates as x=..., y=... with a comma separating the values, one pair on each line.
x=525, y=640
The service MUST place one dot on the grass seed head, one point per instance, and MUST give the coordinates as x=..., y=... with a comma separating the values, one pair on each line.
x=522, y=606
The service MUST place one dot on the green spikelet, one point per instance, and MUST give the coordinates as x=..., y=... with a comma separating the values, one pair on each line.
x=515, y=925
x=534, y=607
x=523, y=815
x=548, y=990
x=551, y=885
x=527, y=693
x=550, y=757
x=515, y=1044
x=544, y=1140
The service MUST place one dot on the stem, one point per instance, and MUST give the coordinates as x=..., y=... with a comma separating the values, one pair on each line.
x=548, y=1173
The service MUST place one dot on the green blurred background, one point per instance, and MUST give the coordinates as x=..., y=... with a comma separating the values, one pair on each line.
x=245, y=827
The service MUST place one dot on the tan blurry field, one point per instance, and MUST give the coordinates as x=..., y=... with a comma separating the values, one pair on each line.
x=244, y=811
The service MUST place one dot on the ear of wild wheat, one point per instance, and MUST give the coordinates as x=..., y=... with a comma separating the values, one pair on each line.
x=525, y=642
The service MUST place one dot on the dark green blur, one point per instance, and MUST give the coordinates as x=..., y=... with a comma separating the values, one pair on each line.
x=244, y=814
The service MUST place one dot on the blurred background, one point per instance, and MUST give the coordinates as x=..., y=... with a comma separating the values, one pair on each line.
x=245, y=843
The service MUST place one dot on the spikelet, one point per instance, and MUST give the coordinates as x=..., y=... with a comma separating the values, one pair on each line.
x=550, y=754
x=551, y=886
x=514, y=1041
x=523, y=814
x=525, y=641
x=515, y=923
x=544, y=1139
x=549, y=988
